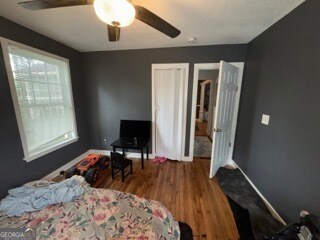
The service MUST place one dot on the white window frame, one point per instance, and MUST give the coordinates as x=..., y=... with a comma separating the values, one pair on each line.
x=5, y=43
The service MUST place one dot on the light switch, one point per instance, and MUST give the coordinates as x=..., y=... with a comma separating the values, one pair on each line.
x=265, y=119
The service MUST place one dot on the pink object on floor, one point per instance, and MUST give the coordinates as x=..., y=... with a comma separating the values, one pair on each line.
x=163, y=159
x=156, y=159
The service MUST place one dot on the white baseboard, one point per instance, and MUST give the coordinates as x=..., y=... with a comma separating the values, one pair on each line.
x=102, y=152
x=135, y=155
x=66, y=166
x=55, y=173
x=187, y=159
x=268, y=204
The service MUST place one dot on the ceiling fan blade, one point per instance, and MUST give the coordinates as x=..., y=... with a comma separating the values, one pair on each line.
x=113, y=33
x=45, y=4
x=151, y=19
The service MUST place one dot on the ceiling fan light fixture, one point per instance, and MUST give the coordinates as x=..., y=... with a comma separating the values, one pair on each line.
x=120, y=12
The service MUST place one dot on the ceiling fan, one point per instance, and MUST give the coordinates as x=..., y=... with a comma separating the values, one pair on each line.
x=116, y=13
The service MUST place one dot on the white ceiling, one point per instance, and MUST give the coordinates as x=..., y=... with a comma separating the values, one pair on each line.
x=210, y=21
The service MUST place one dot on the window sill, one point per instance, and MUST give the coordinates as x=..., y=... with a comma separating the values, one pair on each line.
x=54, y=148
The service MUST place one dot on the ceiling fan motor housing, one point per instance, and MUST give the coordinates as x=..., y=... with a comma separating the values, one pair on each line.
x=116, y=13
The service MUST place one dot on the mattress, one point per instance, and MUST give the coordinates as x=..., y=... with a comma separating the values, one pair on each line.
x=100, y=214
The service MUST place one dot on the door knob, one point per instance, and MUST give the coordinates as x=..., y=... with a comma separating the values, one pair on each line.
x=216, y=130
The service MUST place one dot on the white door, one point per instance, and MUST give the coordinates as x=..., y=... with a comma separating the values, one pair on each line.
x=224, y=116
x=170, y=101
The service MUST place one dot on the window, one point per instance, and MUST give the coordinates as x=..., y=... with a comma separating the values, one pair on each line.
x=42, y=96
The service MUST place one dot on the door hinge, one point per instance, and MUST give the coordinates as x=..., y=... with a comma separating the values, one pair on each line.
x=237, y=88
x=229, y=144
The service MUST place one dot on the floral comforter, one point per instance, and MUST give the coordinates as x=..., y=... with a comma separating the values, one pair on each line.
x=100, y=214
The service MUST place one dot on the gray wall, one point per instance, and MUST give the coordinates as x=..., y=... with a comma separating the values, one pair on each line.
x=208, y=74
x=282, y=79
x=14, y=171
x=118, y=83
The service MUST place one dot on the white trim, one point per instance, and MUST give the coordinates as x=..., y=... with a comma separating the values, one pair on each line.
x=54, y=148
x=32, y=49
x=273, y=212
x=4, y=45
x=27, y=157
x=212, y=66
x=187, y=159
x=184, y=66
x=65, y=167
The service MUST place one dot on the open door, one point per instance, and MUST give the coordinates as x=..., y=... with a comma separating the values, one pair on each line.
x=224, y=116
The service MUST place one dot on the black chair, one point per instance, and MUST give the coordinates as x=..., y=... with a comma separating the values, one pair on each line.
x=120, y=163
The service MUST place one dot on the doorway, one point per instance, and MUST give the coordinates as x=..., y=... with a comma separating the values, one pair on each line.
x=206, y=102
x=169, y=109
x=224, y=111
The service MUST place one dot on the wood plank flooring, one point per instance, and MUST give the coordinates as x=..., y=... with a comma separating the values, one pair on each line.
x=185, y=189
x=201, y=128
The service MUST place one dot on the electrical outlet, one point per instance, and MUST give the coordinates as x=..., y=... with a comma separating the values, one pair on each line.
x=265, y=119
x=106, y=144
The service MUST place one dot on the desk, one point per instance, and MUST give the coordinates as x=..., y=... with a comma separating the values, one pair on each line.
x=128, y=143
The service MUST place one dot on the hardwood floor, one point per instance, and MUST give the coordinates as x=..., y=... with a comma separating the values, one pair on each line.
x=201, y=128
x=185, y=189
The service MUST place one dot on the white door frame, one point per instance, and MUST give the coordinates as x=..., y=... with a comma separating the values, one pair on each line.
x=213, y=66
x=184, y=66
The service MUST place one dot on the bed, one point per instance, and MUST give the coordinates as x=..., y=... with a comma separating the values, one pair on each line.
x=99, y=214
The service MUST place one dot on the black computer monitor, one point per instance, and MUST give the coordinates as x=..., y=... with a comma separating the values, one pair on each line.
x=135, y=129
